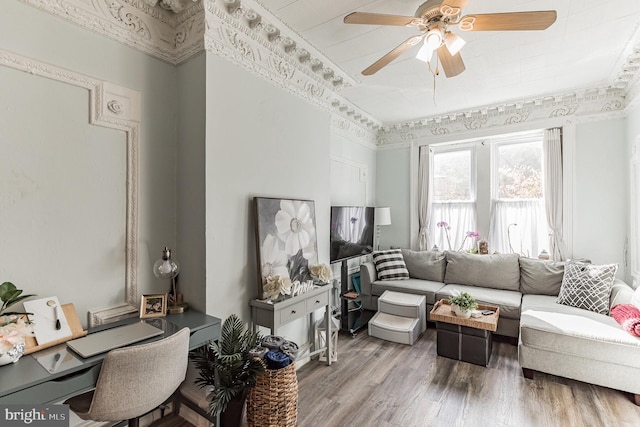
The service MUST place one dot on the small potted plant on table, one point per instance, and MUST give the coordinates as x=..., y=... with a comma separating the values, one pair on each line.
x=462, y=303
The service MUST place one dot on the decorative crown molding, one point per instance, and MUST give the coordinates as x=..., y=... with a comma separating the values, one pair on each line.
x=247, y=33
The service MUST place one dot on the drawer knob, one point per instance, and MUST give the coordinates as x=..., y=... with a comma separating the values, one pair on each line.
x=317, y=301
x=293, y=312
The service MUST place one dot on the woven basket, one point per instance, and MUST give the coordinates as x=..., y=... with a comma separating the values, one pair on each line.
x=274, y=399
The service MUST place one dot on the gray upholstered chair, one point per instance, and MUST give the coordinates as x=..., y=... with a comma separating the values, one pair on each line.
x=135, y=380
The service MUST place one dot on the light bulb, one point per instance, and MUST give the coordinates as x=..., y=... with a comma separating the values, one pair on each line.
x=454, y=43
x=166, y=267
x=425, y=53
x=433, y=38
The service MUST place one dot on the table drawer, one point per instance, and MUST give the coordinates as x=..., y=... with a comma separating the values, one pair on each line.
x=317, y=302
x=294, y=311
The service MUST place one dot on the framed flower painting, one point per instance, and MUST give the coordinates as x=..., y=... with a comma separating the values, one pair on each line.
x=286, y=239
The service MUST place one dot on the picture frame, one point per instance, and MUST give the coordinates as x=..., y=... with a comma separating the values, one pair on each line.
x=286, y=239
x=153, y=305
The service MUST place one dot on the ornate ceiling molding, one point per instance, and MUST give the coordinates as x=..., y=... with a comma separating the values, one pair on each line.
x=245, y=37
x=250, y=35
x=589, y=103
x=145, y=25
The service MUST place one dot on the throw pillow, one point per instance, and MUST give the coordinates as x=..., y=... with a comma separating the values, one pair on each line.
x=539, y=277
x=390, y=265
x=425, y=265
x=587, y=286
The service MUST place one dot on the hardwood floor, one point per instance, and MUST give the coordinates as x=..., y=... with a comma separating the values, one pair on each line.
x=379, y=383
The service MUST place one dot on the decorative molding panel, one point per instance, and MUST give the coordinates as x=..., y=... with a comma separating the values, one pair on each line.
x=114, y=107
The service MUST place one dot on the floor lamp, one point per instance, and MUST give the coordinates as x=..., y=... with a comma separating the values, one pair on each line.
x=382, y=216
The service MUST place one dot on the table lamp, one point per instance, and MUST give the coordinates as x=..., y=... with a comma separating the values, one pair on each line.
x=168, y=268
x=382, y=216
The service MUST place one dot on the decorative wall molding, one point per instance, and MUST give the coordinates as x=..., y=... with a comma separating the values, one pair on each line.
x=114, y=107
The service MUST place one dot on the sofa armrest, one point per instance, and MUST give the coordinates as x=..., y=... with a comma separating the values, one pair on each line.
x=621, y=293
x=368, y=274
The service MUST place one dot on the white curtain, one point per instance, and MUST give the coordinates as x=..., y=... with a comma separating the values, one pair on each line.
x=518, y=227
x=460, y=216
x=424, y=205
x=552, y=166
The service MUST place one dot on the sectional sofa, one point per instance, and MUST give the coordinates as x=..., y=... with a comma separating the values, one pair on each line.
x=560, y=339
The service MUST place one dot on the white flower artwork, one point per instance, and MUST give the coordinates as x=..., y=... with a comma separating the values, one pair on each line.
x=286, y=232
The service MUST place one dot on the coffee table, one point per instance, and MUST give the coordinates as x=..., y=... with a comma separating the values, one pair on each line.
x=463, y=339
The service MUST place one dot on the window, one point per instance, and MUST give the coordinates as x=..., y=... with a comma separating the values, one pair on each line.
x=453, y=196
x=518, y=219
x=493, y=187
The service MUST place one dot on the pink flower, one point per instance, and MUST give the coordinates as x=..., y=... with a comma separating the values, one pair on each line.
x=473, y=234
x=443, y=224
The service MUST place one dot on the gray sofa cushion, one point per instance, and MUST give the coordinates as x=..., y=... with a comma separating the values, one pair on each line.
x=498, y=271
x=427, y=265
x=539, y=277
x=573, y=331
x=411, y=286
x=508, y=301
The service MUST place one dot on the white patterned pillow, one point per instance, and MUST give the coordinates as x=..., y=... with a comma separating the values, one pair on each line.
x=390, y=265
x=587, y=286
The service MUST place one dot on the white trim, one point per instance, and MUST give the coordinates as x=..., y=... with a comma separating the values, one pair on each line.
x=634, y=195
x=114, y=107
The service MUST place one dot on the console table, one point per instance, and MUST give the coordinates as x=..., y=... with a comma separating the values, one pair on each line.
x=272, y=315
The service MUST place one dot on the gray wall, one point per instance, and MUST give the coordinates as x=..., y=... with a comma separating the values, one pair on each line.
x=34, y=34
x=261, y=141
x=393, y=183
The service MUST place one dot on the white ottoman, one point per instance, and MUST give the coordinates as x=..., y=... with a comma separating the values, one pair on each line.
x=403, y=330
x=406, y=305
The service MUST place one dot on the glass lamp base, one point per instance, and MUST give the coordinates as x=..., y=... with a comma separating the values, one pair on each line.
x=180, y=307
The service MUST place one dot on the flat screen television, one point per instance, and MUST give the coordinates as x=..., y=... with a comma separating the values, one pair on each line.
x=351, y=232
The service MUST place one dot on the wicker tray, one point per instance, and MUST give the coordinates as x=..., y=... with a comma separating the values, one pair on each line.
x=442, y=312
x=274, y=399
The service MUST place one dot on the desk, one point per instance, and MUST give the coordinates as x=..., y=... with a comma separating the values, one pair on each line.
x=274, y=315
x=28, y=382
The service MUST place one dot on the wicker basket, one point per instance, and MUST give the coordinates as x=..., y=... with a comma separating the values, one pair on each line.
x=274, y=399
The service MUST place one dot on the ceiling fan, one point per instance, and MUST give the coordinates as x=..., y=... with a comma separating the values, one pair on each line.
x=435, y=18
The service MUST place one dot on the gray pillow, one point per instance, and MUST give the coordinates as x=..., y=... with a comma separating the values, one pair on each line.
x=425, y=265
x=587, y=286
x=497, y=271
x=539, y=277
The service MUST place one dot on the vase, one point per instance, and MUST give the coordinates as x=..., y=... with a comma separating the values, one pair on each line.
x=465, y=314
x=12, y=355
x=232, y=415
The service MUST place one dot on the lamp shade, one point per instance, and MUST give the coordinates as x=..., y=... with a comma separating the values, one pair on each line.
x=382, y=216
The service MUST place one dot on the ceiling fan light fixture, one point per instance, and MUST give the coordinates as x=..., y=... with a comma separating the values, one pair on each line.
x=454, y=43
x=433, y=39
x=425, y=53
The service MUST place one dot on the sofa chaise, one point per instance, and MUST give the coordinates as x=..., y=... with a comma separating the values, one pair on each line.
x=559, y=339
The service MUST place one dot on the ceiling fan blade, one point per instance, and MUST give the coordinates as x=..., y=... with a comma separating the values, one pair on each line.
x=451, y=64
x=399, y=50
x=379, y=19
x=513, y=21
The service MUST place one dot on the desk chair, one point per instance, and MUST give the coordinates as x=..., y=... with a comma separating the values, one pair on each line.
x=135, y=380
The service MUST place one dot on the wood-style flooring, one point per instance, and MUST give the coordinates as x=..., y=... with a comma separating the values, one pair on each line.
x=382, y=384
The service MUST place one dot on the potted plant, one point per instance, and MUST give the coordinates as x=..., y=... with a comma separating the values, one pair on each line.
x=228, y=369
x=13, y=328
x=462, y=303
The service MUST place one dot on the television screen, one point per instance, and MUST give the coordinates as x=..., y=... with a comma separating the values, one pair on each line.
x=351, y=232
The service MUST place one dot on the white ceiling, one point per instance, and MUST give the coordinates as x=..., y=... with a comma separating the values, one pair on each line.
x=585, y=48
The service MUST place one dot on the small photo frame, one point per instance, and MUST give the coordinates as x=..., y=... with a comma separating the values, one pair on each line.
x=153, y=305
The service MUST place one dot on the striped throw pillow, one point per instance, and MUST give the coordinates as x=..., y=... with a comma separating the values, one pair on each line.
x=390, y=265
